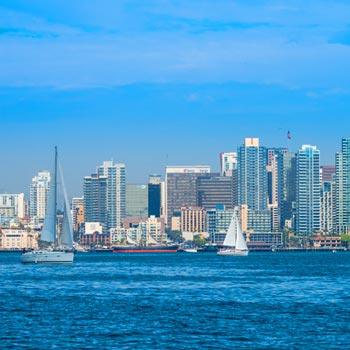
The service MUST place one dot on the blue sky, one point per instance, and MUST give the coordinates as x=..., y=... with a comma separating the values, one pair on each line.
x=151, y=83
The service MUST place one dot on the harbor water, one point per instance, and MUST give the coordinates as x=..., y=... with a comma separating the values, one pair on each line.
x=177, y=301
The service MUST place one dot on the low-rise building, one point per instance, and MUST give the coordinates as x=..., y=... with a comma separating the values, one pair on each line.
x=14, y=238
x=326, y=242
x=95, y=239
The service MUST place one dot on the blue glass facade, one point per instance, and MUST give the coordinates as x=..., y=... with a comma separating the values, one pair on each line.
x=308, y=190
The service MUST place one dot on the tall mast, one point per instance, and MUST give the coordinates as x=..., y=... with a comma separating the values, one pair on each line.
x=55, y=195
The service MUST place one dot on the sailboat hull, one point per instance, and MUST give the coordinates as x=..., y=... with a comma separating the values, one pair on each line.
x=47, y=257
x=233, y=252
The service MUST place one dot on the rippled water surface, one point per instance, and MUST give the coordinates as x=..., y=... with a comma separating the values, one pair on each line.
x=177, y=301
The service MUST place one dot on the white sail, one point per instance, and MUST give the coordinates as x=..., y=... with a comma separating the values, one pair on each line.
x=48, y=233
x=129, y=240
x=230, y=239
x=151, y=240
x=65, y=238
x=240, y=242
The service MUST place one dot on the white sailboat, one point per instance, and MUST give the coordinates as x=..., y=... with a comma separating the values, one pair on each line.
x=234, y=243
x=61, y=241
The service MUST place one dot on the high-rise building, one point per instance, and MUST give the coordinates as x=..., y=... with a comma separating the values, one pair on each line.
x=287, y=181
x=95, y=200
x=116, y=192
x=39, y=191
x=181, y=188
x=136, y=201
x=342, y=188
x=155, y=186
x=215, y=190
x=228, y=162
x=308, y=190
x=272, y=190
x=252, y=185
x=327, y=211
x=328, y=173
x=12, y=207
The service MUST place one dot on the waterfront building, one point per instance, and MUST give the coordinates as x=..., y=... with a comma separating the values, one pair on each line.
x=155, y=191
x=14, y=239
x=218, y=222
x=39, y=191
x=95, y=199
x=12, y=208
x=264, y=241
x=136, y=201
x=252, y=184
x=153, y=230
x=287, y=180
x=326, y=242
x=116, y=192
x=142, y=231
x=228, y=163
x=308, y=190
x=259, y=221
x=215, y=190
x=193, y=220
x=342, y=188
x=181, y=188
x=95, y=239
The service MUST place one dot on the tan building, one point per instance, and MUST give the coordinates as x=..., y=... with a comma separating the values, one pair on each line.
x=244, y=217
x=11, y=239
x=176, y=223
x=326, y=242
x=193, y=219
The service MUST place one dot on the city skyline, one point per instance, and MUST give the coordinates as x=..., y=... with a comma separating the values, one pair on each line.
x=153, y=84
x=75, y=185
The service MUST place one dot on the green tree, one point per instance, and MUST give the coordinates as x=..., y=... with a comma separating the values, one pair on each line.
x=175, y=236
x=345, y=239
x=199, y=240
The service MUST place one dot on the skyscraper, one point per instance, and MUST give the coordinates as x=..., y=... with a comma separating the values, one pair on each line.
x=342, y=188
x=39, y=191
x=136, y=201
x=252, y=184
x=308, y=190
x=155, y=196
x=252, y=177
x=95, y=200
x=116, y=192
x=215, y=190
x=181, y=188
x=287, y=181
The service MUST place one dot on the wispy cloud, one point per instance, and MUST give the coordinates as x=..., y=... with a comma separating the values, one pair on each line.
x=107, y=44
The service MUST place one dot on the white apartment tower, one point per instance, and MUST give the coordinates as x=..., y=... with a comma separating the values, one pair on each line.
x=116, y=192
x=39, y=191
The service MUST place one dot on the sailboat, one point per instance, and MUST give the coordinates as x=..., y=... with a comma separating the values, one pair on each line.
x=60, y=242
x=234, y=243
